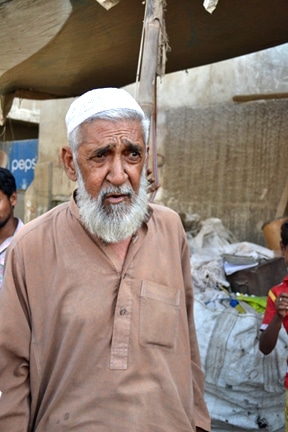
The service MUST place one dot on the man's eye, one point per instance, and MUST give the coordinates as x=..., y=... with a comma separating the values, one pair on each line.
x=100, y=155
x=135, y=154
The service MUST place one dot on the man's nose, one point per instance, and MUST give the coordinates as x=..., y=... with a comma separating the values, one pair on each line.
x=117, y=174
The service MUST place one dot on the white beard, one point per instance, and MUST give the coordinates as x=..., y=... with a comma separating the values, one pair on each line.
x=118, y=221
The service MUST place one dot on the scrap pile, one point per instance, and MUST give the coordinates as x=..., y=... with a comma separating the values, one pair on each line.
x=244, y=389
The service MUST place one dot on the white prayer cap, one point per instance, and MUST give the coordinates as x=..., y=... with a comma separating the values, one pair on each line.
x=97, y=101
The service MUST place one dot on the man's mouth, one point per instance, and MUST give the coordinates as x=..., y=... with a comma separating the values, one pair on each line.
x=116, y=198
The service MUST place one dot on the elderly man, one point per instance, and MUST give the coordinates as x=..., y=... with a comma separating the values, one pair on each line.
x=96, y=314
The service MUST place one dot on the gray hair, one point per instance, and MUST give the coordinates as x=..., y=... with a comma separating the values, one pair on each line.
x=112, y=115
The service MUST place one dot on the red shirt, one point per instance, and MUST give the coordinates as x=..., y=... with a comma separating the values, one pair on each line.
x=271, y=311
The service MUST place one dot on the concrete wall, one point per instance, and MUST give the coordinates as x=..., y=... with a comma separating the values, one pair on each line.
x=227, y=161
x=262, y=72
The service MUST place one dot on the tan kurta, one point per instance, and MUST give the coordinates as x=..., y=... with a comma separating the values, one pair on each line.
x=89, y=346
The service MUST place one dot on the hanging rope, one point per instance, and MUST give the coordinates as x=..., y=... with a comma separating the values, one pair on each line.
x=154, y=179
x=151, y=63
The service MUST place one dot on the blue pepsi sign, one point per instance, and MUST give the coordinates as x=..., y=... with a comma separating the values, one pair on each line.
x=22, y=158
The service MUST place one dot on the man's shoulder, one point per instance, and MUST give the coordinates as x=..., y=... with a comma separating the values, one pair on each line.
x=20, y=224
x=276, y=290
x=42, y=222
x=163, y=211
x=283, y=286
x=165, y=219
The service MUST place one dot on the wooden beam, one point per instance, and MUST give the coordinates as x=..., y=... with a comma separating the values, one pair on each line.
x=263, y=96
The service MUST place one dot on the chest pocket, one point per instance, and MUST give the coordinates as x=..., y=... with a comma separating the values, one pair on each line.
x=159, y=315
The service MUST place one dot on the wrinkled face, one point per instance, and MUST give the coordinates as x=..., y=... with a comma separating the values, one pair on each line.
x=111, y=174
x=111, y=153
x=6, y=208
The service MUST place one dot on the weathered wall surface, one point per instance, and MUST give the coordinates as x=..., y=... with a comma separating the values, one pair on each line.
x=227, y=161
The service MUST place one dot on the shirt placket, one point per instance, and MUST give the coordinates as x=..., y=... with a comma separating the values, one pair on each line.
x=123, y=310
x=121, y=328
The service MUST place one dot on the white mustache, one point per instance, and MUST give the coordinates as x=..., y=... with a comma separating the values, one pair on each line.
x=116, y=190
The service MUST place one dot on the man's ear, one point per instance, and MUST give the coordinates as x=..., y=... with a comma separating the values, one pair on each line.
x=13, y=199
x=68, y=162
x=147, y=158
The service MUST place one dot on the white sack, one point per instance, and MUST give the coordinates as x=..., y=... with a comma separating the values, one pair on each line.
x=243, y=388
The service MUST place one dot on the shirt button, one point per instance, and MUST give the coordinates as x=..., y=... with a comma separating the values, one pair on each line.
x=123, y=311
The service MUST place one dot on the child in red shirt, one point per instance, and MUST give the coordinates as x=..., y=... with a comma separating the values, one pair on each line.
x=276, y=313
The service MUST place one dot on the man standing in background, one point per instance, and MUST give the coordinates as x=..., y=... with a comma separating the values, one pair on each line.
x=9, y=224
